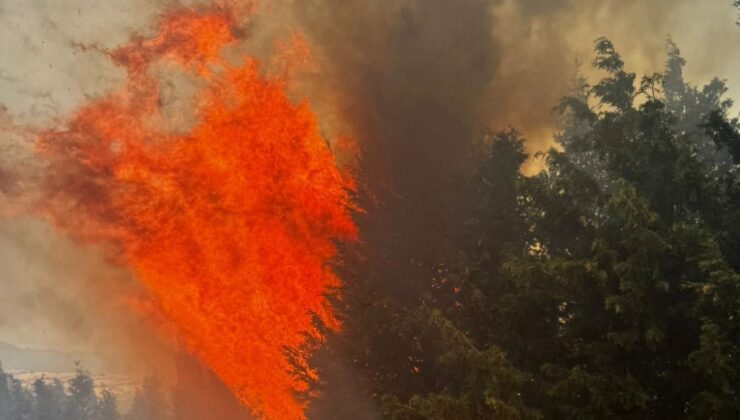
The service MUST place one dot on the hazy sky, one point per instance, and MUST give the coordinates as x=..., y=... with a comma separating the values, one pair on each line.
x=46, y=280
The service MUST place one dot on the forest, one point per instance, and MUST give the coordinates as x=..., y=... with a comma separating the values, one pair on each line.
x=606, y=286
x=77, y=399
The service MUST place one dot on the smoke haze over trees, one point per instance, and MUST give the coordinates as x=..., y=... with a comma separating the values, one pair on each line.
x=606, y=286
x=193, y=397
x=50, y=399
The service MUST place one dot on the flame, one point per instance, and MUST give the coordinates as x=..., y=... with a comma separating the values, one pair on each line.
x=231, y=226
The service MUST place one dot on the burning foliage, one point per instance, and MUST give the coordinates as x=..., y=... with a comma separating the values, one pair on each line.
x=231, y=226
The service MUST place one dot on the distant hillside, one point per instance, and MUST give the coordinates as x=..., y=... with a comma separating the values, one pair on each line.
x=33, y=360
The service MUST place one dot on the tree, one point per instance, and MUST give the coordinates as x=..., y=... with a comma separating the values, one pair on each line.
x=21, y=400
x=5, y=403
x=15, y=401
x=149, y=402
x=107, y=406
x=606, y=286
x=419, y=131
x=465, y=375
x=50, y=400
x=82, y=402
x=619, y=288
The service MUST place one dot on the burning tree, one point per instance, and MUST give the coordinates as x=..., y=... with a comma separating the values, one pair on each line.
x=231, y=226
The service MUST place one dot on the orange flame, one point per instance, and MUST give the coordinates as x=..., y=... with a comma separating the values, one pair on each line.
x=231, y=226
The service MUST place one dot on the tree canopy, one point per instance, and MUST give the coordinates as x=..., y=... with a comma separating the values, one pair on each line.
x=605, y=286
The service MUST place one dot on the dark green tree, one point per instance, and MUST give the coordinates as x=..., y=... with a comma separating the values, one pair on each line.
x=465, y=375
x=616, y=303
x=607, y=285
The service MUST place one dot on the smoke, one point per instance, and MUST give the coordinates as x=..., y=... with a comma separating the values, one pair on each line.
x=60, y=295
x=417, y=84
x=430, y=77
x=57, y=294
x=543, y=39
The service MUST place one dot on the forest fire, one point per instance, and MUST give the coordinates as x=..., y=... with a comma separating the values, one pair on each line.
x=231, y=226
x=535, y=213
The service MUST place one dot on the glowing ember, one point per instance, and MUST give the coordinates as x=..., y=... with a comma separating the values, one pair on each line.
x=230, y=226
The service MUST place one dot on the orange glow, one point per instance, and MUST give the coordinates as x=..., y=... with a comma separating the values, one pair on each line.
x=231, y=226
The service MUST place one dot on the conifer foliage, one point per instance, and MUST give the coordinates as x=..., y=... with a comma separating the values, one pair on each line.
x=608, y=285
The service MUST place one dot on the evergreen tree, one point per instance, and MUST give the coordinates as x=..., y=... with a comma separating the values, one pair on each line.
x=149, y=402
x=4, y=395
x=82, y=402
x=107, y=406
x=49, y=400
x=607, y=286
x=21, y=400
x=620, y=286
x=465, y=375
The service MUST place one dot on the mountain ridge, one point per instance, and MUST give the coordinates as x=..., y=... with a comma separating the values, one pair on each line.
x=17, y=358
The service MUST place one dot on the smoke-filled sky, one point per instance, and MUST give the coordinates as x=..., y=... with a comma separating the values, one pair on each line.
x=420, y=74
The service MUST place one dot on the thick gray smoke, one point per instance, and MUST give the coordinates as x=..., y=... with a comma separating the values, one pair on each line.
x=486, y=64
x=418, y=83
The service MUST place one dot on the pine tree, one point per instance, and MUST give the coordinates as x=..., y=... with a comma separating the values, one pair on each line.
x=466, y=375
